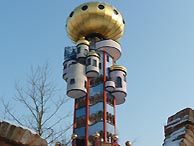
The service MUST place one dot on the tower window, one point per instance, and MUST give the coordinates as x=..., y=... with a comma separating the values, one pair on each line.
x=89, y=61
x=72, y=81
x=85, y=51
x=78, y=49
x=100, y=65
x=101, y=7
x=85, y=84
x=115, y=12
x=123, y=21
x=65, y=66
x=107, y=58
x=84, y=7
x=118, y=82
x=71, y=14
x=95, y=63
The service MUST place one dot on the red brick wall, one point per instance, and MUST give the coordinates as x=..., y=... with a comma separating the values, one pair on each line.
x=12, y=135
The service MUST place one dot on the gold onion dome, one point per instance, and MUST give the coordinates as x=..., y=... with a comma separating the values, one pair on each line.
x=95, y=18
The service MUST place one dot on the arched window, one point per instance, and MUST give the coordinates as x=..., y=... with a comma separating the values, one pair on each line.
x=118, y=82
x=72, y=81
x=94, y=63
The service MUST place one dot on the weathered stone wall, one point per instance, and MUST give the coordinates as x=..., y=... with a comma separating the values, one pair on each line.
x=13, y=135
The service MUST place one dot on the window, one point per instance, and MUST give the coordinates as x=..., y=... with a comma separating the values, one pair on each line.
x=123, y=21
x=65, y=66
x=85, y=51
x=71, y=14
x=115, y=12
x=78, y=49
x=107, y=58
x=89, y=61
x=101, y=7
x=100, y=65
x=84, y=7
x=94, y=63
x=118, y=82
x=85, y=84
x=72, y=81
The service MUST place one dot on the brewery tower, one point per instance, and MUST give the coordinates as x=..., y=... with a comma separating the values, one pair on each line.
x=94, y=80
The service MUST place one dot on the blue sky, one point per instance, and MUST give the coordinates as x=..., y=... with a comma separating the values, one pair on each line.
x=158, y=52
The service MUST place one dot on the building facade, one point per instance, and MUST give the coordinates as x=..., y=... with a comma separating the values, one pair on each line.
x=179, y=130
x=94, y=80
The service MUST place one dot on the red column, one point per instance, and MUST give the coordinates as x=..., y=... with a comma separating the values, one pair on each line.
x=74, y=122
x=114, y=106
x=97, y=142
x=74, y=119
x=104, y=95
x=115, y=144
x=74, y=142
x=87, y=109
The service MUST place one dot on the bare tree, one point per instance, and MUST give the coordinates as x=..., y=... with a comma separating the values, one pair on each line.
x=43, y=107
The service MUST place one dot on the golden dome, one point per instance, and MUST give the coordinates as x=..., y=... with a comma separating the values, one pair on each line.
x=128, y=143
x=57, y=143
x=96, y=135
x=95, y=18
x=74, y=136
x=115, y=137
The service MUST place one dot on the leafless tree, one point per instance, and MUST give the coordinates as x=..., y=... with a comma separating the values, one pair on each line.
x=44, y=111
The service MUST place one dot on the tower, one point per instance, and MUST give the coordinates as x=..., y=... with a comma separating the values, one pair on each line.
x=94, y=80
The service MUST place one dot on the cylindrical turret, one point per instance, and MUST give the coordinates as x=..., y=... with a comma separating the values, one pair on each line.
x=76, y=82
x=92, y=69
x=118, y=75
x=82, y=50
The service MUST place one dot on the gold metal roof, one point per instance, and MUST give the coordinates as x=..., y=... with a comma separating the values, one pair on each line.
x=93, y=53
x=82, y=41
x=95, y=18
x=118, y=67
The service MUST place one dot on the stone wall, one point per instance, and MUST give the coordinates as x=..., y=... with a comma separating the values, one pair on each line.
x=14, y=135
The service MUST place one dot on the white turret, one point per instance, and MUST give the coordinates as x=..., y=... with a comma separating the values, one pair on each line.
x=92, y=62
x=77, y=80
x=118, y=75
